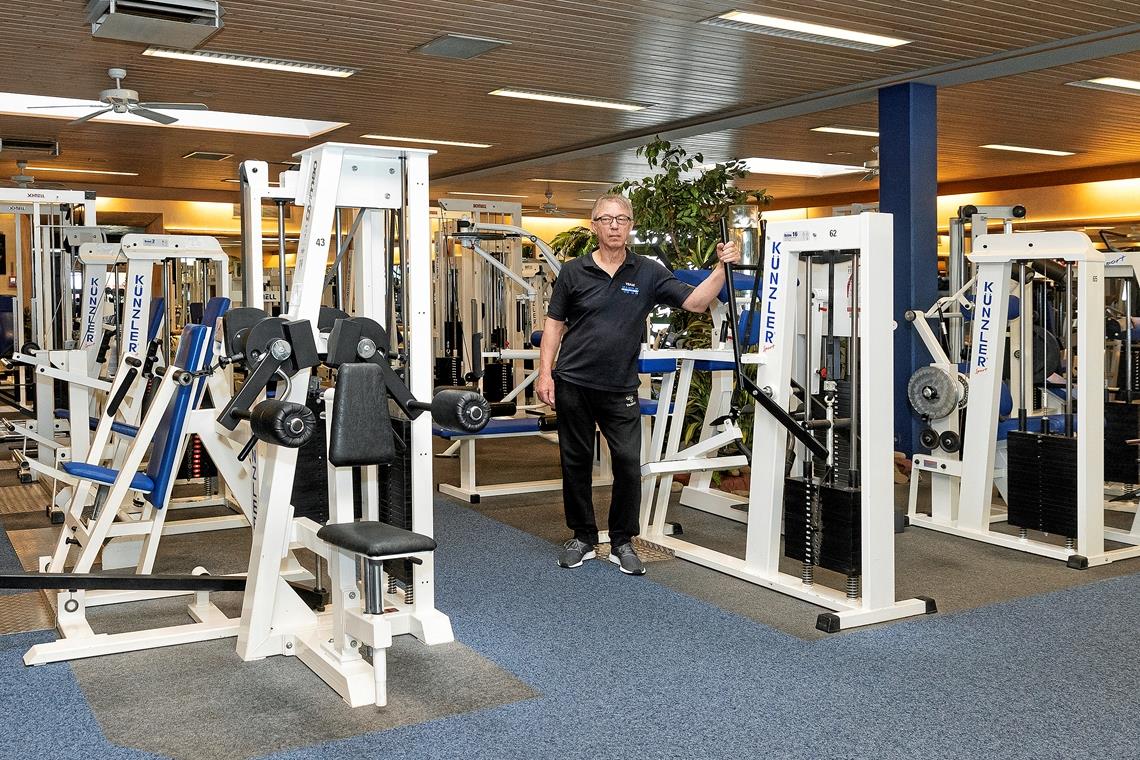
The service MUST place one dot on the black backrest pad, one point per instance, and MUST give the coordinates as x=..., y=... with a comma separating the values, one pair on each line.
x=360, y=431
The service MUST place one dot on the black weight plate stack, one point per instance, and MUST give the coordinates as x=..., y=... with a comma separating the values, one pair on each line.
x=496, y=381
x=448, y=371
x=842, y=518
x=1121, y=424
x=795, y=519
x=1058, y=467
x=1024, y=470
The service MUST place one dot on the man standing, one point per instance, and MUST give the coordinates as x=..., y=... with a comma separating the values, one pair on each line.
x=597, y=316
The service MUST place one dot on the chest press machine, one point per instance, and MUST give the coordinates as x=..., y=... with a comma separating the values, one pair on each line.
x=838, y=514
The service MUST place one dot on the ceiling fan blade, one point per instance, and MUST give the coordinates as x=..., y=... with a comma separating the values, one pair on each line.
x=146, y=113
x=73, y=105
x=89, y=117
x=176, y=106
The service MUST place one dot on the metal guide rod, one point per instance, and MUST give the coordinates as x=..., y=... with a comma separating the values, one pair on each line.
x=853, y=365
x=403, y=222
x=1128, y=339
x=808, y=266
x=281, y=252
x=1070, y=302
x=335, y=274
x=1022, y=415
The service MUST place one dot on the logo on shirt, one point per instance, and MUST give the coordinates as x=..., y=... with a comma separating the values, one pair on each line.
x=630, y=400
x=630, y=288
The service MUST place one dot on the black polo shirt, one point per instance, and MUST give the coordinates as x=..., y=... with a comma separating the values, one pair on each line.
x=605, y=318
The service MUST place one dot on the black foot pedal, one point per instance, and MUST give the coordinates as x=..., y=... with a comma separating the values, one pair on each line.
x=828, y=622
x=55, y=515
x=931, y=607
x=1077, y=562
x=313, y=599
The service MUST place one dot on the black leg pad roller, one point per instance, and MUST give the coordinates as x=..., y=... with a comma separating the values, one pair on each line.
x=283, y=423
x=460, y=409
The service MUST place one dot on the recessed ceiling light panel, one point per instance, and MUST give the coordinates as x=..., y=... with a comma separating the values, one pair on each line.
x=486, y=195
x=606, y=183
x=1022, y=149
x=427, y=141
x=572, y=100
x=459, y=46
x=836, y=129
x=787, y=168
x=252, y=62
x=80, y=171
x=804, y=31
x=1111, y=84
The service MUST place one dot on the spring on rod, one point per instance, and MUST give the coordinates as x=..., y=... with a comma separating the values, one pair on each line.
x=852, y=586
x=807, y=574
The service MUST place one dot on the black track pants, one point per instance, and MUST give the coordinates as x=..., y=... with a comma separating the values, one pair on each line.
x=618, y=416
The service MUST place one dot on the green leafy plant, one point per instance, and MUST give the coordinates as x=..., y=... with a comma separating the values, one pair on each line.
x=574, y=242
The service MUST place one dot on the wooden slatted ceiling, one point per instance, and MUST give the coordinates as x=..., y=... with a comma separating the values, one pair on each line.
x=653, y=51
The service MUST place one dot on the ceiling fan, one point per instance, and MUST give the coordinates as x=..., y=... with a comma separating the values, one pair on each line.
x=549, y=208
x=871, y=166
x=120, y=100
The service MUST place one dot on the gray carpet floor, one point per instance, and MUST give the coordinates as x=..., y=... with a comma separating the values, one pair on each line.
x=958, y=573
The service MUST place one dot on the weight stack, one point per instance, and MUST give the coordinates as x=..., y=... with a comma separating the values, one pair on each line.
x=448, y=371
x=1121, y=424
x=496, y=381
x=1042, y=482
x=837, y=529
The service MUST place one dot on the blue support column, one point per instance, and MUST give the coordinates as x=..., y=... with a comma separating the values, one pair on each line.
x=908, y=188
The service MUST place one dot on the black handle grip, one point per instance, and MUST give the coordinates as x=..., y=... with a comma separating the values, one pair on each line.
x=121, y=392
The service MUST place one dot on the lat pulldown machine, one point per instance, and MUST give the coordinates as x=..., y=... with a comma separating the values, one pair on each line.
x=838, y=514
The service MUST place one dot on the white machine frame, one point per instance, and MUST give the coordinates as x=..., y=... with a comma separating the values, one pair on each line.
x=870, y=235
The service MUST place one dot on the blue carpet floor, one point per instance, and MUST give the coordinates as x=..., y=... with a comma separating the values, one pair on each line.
x=626, y=666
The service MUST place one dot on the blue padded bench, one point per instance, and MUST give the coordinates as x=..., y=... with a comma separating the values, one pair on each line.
x=494, y=427
x=167, y=442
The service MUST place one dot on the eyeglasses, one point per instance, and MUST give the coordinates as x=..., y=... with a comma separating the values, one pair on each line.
x=607, y=220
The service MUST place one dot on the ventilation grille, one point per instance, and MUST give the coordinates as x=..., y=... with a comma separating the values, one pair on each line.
x=205, y=155
x=459, y=46
x=17, y=145
x=172, y=23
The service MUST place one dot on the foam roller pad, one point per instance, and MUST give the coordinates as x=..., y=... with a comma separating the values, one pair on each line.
x=283, y=423
x=460, y=410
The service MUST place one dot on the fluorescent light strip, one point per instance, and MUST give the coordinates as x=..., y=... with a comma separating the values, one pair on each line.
x=18, y=104
x=486, y=195
x=787, y=168
x=802, y=30
x=1111, y=84
x=1021, y=149
x=578, y=182
x=837, y=130
x=573, y=100
x=427, y=141
x=80, y=171
x=250, y=61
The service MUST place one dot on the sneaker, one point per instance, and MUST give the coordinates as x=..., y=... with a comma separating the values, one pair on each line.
x=574, y=552
x=626, y=558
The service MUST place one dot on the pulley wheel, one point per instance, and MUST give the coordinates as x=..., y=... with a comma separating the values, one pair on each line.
x=928, y=438
x=933, y=393
x=950, y=441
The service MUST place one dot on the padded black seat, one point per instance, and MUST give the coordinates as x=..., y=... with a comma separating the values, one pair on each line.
x=375, y=539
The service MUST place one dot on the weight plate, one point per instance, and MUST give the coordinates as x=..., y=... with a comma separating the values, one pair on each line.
x=932, y=393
